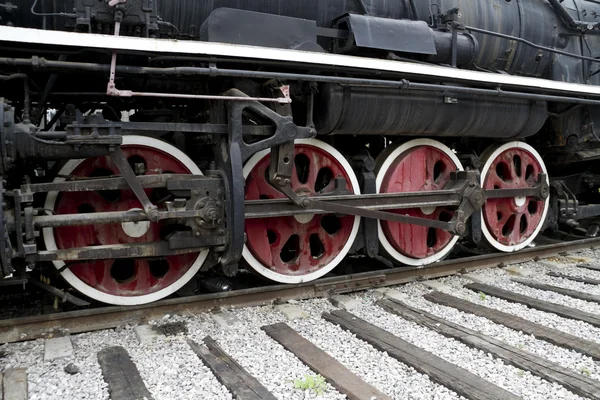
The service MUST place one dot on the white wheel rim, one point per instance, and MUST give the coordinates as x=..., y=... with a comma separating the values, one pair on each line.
x=381, y=173
x=282, y=278
x=484, y=171
x=73, y=280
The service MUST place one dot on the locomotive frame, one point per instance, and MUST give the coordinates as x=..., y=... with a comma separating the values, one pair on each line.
x=210, y=211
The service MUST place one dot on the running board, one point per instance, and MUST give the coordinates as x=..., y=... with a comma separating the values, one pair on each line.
x=135, y=44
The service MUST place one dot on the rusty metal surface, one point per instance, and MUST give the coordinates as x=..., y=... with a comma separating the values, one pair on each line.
x=29, y=328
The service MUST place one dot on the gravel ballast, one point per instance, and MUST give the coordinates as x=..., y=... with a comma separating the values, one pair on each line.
x=564, y=357
x=171, y=370
x=519, y=382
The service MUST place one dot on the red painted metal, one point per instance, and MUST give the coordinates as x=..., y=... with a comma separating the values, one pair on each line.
x=418, y=169
x=509, y=221
x=267, y=238
x=129, y=278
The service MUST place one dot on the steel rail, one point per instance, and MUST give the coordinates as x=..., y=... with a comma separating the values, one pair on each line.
x=30, y=328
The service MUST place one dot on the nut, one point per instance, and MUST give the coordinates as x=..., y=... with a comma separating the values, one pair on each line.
x=154, y=215
x=461, y=228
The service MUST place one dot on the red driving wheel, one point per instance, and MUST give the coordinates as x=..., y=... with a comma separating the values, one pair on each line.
x=122, y=281
x=299, y=248
x=418, y=165
x=510, y=224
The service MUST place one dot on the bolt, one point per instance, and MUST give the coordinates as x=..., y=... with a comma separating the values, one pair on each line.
x=154, y=215
x=278, y=180
x=305, y=202
x=287, y=181
x=461, y=228
x=218, y=204
x=197, y=234
x=221, y=232
x=195, y=193
x=219, y=192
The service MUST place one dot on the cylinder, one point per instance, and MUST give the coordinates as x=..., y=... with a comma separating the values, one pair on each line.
x=347, y=110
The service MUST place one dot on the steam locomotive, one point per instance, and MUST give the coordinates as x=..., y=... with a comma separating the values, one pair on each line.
x=148, y=142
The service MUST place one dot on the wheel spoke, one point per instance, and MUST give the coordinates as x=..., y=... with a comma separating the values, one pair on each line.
x=259, y=187
x=143, y=277
x=514, y=174
x=104, y=278
x=285, y=233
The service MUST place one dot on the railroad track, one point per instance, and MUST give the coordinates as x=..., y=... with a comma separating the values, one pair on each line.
x=30, y=328
x=526, y=331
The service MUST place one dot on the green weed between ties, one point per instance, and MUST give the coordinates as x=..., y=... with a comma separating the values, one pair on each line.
x=315, y=384
x=482, y=296
x=585, y=371
x=521, y=373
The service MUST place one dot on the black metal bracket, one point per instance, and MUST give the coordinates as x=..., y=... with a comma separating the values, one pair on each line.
x=364, y=165
x=231, y=154
x=285, y=129
x=473, y=198
x=5, y=245
x=82, y=140
x=565, y=203
x=24, y=234
x=7, y=153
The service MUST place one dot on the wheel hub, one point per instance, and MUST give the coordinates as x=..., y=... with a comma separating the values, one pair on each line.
x=136, y=229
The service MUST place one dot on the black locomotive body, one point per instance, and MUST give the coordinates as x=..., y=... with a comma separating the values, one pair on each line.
x=146, y=142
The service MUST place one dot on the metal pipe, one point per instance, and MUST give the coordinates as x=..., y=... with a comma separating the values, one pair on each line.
x=129, y=93
x=26, y=97
x=56, y=221
x=580, y=26
x=413, y=9
x=48, y=89
x=59, y=293
x=66, y=66
x=454, y=46
x=501, y=93
x=531, y=44
x=362, y=5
